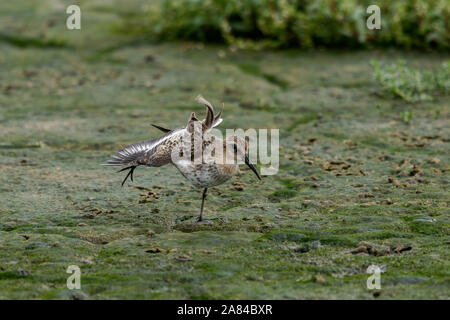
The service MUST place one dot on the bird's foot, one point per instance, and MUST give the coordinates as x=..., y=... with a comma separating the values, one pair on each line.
x=200, y=220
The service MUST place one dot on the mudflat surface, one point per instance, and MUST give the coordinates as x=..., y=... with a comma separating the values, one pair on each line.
x=356, y=186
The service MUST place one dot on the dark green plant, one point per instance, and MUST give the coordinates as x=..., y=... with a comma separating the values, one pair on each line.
x=299, y=23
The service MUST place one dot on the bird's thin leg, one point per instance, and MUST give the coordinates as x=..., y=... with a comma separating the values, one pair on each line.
x=200, y=217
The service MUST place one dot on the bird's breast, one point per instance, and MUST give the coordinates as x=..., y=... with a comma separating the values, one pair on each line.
x=206, y=174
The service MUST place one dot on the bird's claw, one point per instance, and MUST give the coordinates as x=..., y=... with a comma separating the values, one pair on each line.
x=202, y=221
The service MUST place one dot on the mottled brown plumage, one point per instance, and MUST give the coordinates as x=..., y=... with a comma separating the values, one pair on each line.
x=179, y=148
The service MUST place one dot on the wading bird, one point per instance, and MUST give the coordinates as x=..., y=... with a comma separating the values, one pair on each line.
x=185, y=148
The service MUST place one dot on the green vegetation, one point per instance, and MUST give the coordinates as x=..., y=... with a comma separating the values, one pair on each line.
x=296, y=23
x=412, y=85
x=356, y=186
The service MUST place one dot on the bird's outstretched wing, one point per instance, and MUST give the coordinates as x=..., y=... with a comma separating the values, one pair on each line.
x=158, y=152
x=153, y=153
x=144, y=152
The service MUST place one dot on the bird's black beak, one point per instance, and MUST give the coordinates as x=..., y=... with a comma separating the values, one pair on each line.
x=251, y=166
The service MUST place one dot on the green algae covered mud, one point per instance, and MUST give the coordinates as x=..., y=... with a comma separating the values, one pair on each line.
x=363, y=178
